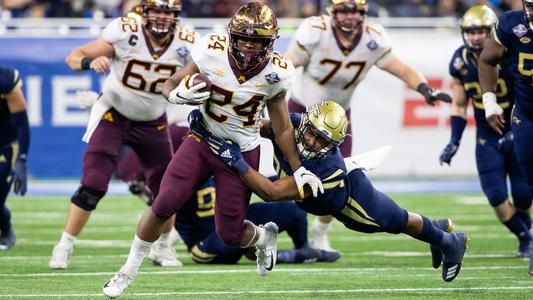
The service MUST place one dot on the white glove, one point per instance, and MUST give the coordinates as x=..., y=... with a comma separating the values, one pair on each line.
x=302, y=177
x=491, y=105
x=184, y=95
x=86, y=99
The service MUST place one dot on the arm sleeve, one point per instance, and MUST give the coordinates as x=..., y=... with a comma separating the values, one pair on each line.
x=23, y=133
x=384, y=42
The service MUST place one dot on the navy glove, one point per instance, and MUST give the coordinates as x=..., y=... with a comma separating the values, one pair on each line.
x=20, y=179
x=431, y=95
x=196, y=124
x=229, y=152
x=506, y=143
x=448, y=152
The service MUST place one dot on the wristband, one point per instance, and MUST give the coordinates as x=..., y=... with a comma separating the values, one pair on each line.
x=86, y=63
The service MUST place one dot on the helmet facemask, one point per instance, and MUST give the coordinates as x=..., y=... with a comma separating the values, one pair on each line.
x=159, y=26
x=528, y=9
x=476, y=26
x=254, y=23
x=348, y=16
x=474, y=38
x=307, y=151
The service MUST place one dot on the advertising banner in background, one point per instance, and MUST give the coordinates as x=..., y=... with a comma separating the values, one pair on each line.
x=384, y=110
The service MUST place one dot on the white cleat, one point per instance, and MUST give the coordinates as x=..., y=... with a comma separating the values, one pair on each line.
x=117, y=284
x=60, y=257
x=164, y=255
x=174, y=237
x=268, y=254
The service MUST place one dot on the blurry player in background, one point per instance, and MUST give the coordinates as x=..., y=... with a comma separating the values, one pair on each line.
x=141, y=52
x=495, y=157
x=348, y=194
x=336, y=51
x=246, y=75
x=14, y=143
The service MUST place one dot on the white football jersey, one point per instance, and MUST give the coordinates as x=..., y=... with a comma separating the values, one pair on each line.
x=237, y=100
x=138, y=72
x=333, y=71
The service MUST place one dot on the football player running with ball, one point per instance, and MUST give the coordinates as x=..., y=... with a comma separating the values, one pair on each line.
x=246, y=75
x=348, y=194
x=141, y=52
x=495, y=157
x=336, y=51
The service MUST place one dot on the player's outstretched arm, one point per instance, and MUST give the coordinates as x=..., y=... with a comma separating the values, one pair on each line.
x=491, y=55
x=414, y=79
x=93, y=55
x=457, y=120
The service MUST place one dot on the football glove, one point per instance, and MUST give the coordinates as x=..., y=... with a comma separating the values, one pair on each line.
x=431, y=95
x=184, y=95
x=196, y=124
x=229, y=152
x=448, y=152
x=19, y=178
x=302, y=176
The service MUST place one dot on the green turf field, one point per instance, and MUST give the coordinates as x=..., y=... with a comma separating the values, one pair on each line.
x=372, y=266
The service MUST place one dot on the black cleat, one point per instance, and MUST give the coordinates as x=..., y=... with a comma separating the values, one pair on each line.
x=7, y=240
x=453, y=257
x=436, y=252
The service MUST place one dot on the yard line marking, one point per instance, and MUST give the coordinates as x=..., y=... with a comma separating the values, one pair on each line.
x=279, y=270
x=281, y=292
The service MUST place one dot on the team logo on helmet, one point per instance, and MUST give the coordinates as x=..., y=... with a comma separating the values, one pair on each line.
x=160, y=26
x=327, y=121
x=252, y=22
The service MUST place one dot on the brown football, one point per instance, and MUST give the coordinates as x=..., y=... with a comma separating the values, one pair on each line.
x=199, y=78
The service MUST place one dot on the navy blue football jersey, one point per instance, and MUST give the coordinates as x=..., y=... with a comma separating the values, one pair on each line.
x=513, y=33
x=463, y=67
x=9, y=81
x=330, y=169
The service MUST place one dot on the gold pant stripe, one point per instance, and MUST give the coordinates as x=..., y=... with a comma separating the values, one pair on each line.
x=350, y=213
x=358, y=207
x=335, y=174
x=15, y=149
x=201, y=256
x=330, y=185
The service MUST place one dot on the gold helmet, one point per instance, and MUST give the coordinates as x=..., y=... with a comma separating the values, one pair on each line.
x=256, y=22
x=344, y=6
x=528, y=9
x=326, y=121
x=477, y=17
x=160, y=27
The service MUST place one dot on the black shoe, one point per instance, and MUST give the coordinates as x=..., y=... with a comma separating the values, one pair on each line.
x=436, y=252
x=8, y=240
x=453, y=256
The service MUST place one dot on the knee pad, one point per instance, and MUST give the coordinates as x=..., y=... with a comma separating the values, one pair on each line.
x=495, y=196
x=86, y=198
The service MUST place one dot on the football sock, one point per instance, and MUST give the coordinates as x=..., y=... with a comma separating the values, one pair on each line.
x=517, y=226
x=67, y=239
x=262, y=235
x=5, y=220
x=525, y=216
x=430, y=233
x=139, y=249
x=164, y=239
x=320, y=228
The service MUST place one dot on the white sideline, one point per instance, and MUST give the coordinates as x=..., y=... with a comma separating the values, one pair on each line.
x=280, y=292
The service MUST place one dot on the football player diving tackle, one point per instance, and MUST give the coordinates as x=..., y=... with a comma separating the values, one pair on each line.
x=348, y=194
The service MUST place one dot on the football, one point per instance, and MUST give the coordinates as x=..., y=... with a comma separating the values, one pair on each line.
x=199, y=78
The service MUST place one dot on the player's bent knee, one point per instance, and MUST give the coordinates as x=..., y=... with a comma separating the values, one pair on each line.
x=86, y=198
x=495, y=196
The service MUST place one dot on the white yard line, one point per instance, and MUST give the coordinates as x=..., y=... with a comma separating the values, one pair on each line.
x=284, y=292
x=278, y=270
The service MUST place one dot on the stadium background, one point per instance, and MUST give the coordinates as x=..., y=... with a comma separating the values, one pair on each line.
x=385, y=111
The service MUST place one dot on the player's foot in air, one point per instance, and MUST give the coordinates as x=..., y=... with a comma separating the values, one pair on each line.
x=117, y=284
x=140, y=189
x=60, y=257
x=267, y=254
x=7, y=240
x=164, y=255
x=453, y=256
x=436, y=252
